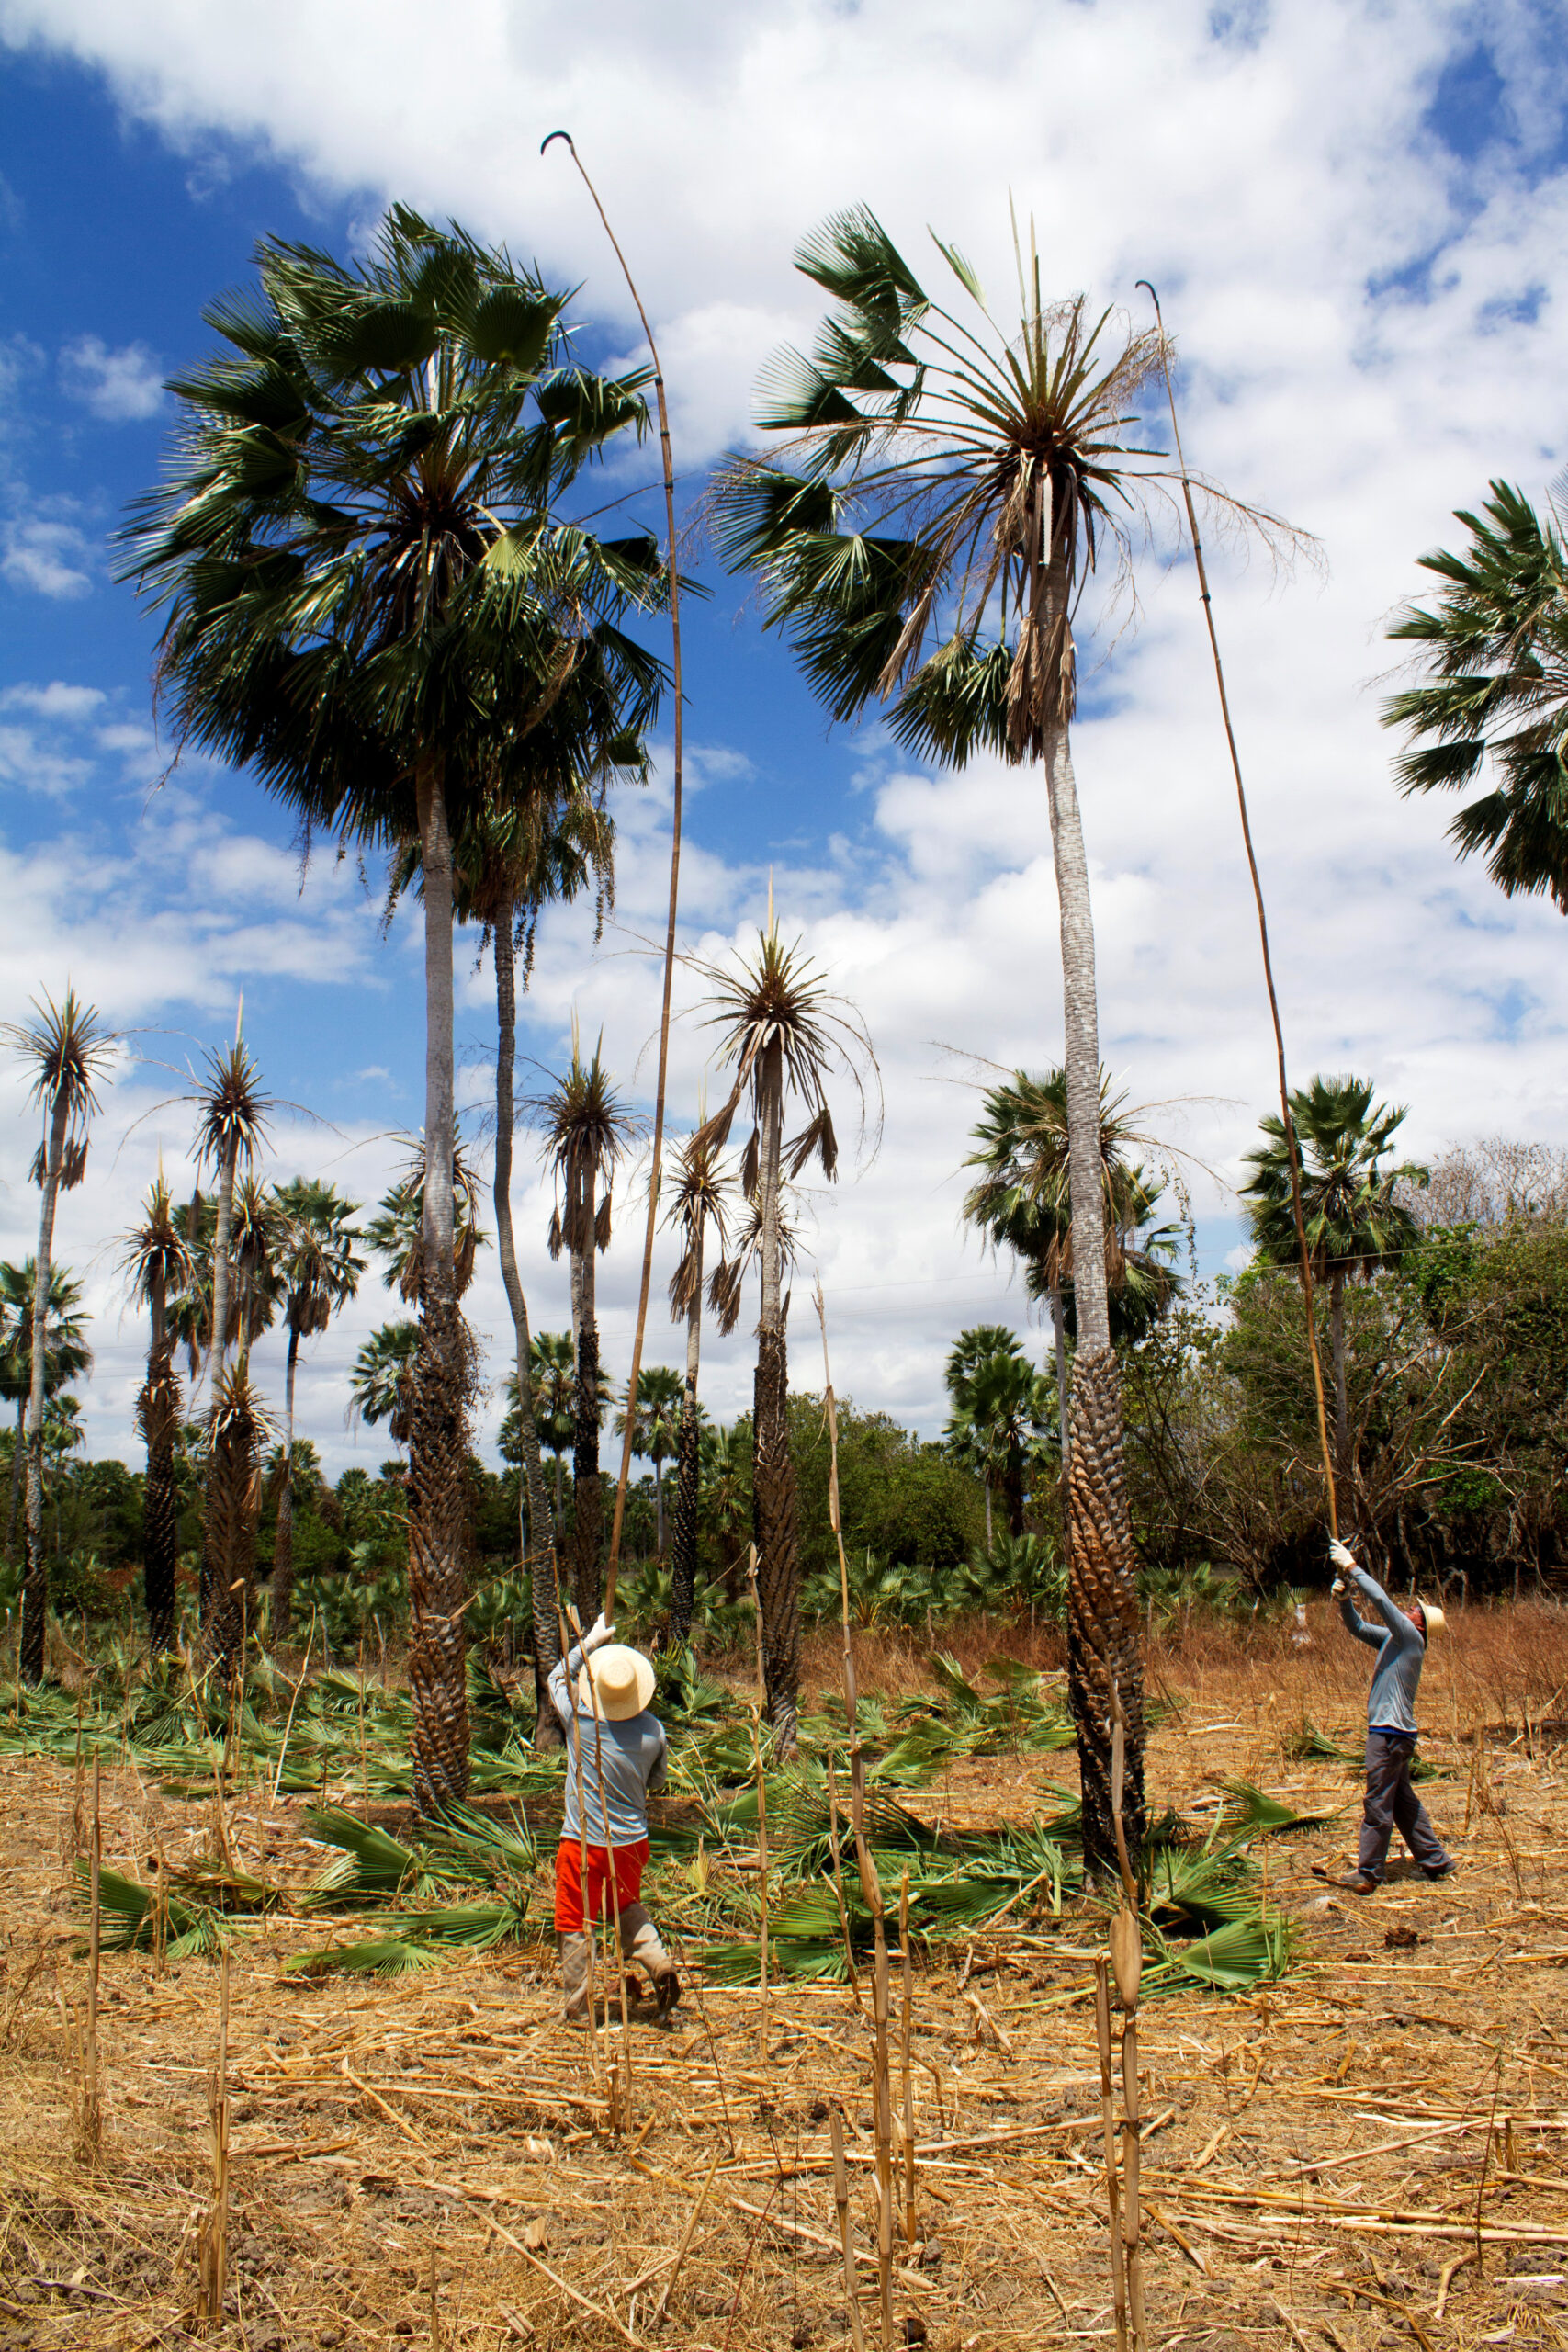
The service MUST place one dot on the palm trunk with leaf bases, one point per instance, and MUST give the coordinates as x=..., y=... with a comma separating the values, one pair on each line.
x=1105, y=1651
x=438, y=1432
x=35, y=1570
x=158, y=1410
x=775, y=1512
x=537, y=1531
x=238, y=1433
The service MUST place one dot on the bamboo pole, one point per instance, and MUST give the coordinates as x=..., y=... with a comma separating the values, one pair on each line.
x=567, y=1617
x=1108, y=2118
x=842, y=2200
x=657, y=1160
x=839, y=1882
x=906, y=2024
x=92, y=2108
x=757, y=1704
x=664, y=2303
x=213, y=2244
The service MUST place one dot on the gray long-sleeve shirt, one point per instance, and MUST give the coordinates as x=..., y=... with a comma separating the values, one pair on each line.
x=630, y=1756
x=1401, y=1647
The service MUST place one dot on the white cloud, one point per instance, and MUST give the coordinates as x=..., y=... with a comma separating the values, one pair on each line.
x=46, y=559
x=55, y=701
x=119, y=387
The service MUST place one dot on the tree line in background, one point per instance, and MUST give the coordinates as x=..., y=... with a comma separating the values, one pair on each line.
x=380, y=600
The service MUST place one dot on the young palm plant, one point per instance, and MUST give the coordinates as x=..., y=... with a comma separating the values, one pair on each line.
x=948, y=482
x=587, y=1130
x=67, y=1049
x=699, y=1202
x=1495, y=653
x=366, y=558
x=1356, y=1223
x=66, y=1354
x=159, y=1267
x=783, y=1035
x=319, y=1269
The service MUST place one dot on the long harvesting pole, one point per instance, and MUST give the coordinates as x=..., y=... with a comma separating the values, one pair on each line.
x=656, y=1168
x=1293, y=1150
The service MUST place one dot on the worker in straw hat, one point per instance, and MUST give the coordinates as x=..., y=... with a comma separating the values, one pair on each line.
x=616, y=1757
x=1400, y=1641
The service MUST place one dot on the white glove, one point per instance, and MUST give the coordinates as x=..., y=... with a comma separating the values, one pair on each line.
x=597, y=1635
x=1341, y=1556
x=1339, y=1587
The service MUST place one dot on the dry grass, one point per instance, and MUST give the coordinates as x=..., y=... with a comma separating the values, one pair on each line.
x=428, y=2161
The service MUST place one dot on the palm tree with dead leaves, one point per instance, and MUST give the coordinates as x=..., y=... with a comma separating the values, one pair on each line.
x=783, y=1033
x=159, y=1267
x=700, y=1203
x=67, y=1050
x=319, y=1269
x=587, y=1131
x=396, y=1233
x=948, y=480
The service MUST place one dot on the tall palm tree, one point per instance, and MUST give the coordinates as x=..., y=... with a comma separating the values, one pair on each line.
x=396, y=1232
x=254, y=1238
x=948, y=480
x=783, y=1035
x=587, y=1130
x=319, y=1269
x=1022, y=1201
x=67, y=1049
x=158, y=1267
x=363, y=551
x=1355, y=1224
x=231, y=1127
x=66, y=1353
x=552, y=1371
x=1495, y=653
x=381, y=1384
x=656, y=1430
x=699, y=1199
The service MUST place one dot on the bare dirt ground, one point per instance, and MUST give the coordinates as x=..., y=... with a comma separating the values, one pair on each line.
x=427, y=2161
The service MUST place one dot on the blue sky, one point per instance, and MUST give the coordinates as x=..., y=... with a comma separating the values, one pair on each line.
x=1357, y=228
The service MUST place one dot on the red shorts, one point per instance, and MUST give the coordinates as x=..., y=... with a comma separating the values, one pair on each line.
x=630, y=1863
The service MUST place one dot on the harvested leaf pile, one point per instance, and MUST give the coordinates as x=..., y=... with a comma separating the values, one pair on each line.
x=428, y=2158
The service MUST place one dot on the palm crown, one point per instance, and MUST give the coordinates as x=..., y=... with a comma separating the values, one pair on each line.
x=1495, y=651
x=1355, y=1220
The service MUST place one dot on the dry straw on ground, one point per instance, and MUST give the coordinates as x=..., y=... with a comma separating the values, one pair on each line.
x=1374, y=2152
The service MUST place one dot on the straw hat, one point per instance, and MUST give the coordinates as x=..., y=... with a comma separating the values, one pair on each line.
x=623, y=1680
x=1433, y=1618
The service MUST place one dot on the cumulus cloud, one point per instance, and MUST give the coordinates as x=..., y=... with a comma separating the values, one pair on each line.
x=119, y=387
x=46, y=559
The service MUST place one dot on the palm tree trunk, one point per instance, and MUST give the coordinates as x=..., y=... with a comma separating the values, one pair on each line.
x=560, y=1488
x=281, y=1584
x=158, y=1410
x=438, y=1432
x=586, y=1489
x=1342, y=1477
x=535, y=1531
x=1012, y=1491
x=688, y=1470
x=18, y=1464
x=774, y=1511
x=35, y=1569
x=214, y=1597
x=1104, y=1657
x=1059, y=1341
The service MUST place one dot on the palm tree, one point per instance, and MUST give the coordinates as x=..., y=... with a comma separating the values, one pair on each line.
x=361, y=550
x=1001, y=1408
x=381, y=1385
x=950, y=482
x=319, y=1271
x=783, y=1036
x=656, y=1430
x=68, y=1050
x=553, y=1380
x=1495, y=651
x=397, y=1231
x=1355, y=1222
x=1022, y=1201
x=699, y=1198
x=586, y=1131
x=723, y=1500
x=254, y=1238
x=66, y=1353
x=231, y=1129
x=158, y=1267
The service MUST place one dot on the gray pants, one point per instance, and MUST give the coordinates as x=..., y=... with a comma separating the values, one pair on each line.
x=1392, y=1803
x=639, y=1943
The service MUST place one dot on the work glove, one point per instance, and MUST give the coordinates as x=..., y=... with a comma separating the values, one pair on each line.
x=1339, y=1587
x=1341, y=1556
x=597, y=1635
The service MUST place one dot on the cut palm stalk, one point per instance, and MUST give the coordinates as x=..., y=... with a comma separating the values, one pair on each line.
x=908, y=2025
x=842, y=2200
x=1108, y=2114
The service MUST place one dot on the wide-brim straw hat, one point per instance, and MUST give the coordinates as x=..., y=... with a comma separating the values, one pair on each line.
x=623, y=1683
x=1434, y=1619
